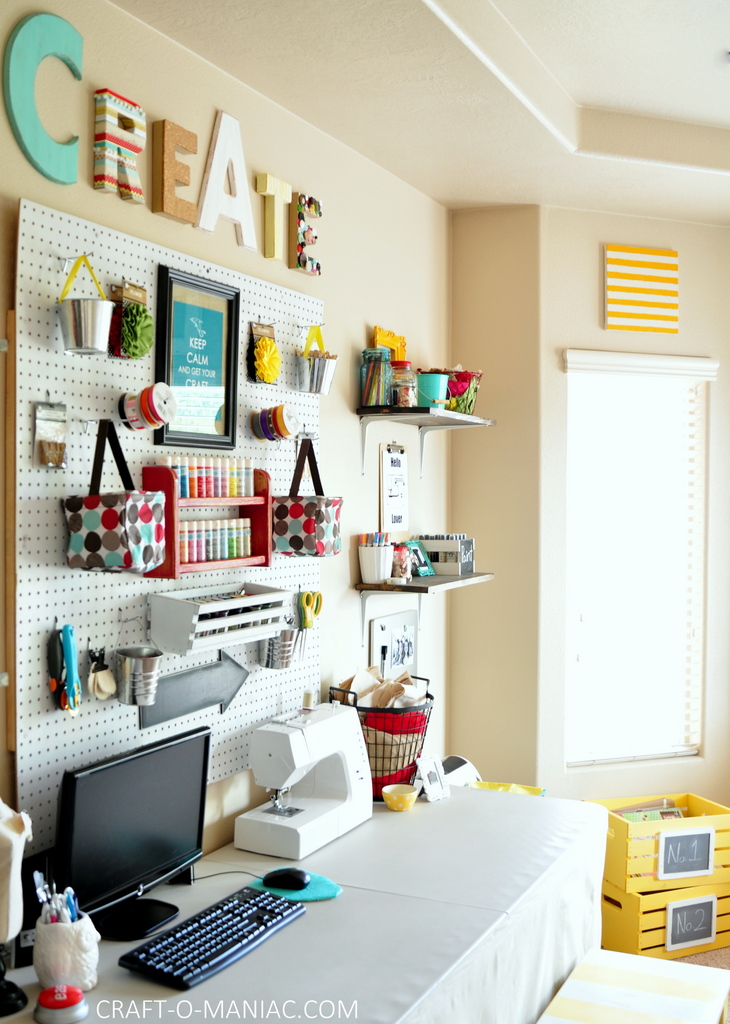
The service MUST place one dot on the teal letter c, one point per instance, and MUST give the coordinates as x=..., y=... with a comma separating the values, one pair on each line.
x=34, y=38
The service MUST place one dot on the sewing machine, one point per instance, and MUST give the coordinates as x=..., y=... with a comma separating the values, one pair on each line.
x=316, y=764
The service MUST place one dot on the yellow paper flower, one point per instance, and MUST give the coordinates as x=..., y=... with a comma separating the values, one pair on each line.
x=267, y=360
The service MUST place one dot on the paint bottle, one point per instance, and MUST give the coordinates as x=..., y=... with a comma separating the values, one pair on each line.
x=217, y=470
x=222, y=528
x=239, y=538
x=246, y=538
x=192, y=477
x=248, y=491
x=231, y=538
x=183, y=474
x=233, y=491
x=192, y=528
x=224, y=477
x=183, y=543
x=200, y=543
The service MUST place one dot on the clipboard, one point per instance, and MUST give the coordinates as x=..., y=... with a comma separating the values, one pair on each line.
x=394, y=490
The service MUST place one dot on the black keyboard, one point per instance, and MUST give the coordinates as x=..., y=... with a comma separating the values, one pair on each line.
x=196, y=949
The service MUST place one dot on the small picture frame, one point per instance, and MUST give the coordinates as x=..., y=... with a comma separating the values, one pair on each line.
x=196, y=354
x=420, y=562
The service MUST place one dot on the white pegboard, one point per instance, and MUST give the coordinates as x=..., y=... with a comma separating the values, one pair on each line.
x=105, y=609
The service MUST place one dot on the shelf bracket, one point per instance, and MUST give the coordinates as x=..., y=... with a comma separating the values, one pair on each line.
x=364, y=595
x=425, y=420
x=365, y=422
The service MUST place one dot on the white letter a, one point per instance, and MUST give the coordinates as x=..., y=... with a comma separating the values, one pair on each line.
x=226, y=163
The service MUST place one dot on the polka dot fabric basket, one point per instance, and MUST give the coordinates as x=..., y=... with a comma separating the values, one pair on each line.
x=123, y=531
x=307, y=525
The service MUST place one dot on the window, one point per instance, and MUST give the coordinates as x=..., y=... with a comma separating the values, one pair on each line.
x=635, y=517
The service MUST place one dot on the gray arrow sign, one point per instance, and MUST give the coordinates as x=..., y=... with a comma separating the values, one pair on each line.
x=194, y=689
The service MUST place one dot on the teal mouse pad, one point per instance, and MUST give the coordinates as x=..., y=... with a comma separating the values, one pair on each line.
x=319, y=888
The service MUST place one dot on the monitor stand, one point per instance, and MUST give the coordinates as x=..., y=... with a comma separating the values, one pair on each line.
x=134, y=918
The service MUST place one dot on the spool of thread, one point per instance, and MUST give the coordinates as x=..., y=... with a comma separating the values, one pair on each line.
x=278, y=423
x=151, y=408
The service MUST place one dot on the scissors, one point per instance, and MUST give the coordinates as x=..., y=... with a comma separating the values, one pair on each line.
x=309, y=604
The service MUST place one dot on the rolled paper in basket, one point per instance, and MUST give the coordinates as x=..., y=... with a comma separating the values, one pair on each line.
x=408, y=722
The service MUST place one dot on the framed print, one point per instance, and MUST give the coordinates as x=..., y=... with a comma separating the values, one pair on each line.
x=420, y=562
x=196, y=354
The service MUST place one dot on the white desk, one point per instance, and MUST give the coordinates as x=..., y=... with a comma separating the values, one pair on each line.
x=473, y=909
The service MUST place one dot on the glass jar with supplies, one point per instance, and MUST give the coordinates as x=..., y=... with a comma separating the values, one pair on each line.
x=376, y=377
x=404, y=393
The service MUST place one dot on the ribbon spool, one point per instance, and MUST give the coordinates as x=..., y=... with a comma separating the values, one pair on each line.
x=279, y=423
x=151, y=408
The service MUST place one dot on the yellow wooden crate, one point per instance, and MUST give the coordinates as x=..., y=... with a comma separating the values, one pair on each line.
x=636, y=922
x=632, y=847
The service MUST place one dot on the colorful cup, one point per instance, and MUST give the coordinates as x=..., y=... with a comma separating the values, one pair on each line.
x=432, y=389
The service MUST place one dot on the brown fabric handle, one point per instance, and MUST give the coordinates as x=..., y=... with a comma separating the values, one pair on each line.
x=306, y=453
x=106, y=433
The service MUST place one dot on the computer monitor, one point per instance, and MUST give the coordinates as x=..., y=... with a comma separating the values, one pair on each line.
x=126, y=824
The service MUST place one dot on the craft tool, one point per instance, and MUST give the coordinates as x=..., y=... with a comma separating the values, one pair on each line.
x=309, y=605
x=54, y=653
x=72, y=683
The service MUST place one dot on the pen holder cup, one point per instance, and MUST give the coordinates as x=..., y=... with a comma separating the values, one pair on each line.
x=85, y=325
x=432, y=388
x=137, y=672
x=277, y=652
x=67, y=954
x=376, y=562
x=315, y=374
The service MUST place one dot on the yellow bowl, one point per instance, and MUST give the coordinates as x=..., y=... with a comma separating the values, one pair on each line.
x=399, y=797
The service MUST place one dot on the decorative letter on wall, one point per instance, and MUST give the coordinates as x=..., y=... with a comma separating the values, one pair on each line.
x=168, y=171
x=34, y=38
x=120, y=132
x=226, y=163
x=302, y=234
x=277, y=196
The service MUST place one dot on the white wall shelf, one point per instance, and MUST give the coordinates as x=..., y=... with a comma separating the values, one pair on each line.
x=426, y=418
x=419, y=586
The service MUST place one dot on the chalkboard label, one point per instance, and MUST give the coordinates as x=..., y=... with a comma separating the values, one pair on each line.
x=686, y=854
x=691, y=922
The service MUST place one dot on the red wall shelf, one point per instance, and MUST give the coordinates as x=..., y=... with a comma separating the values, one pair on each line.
x=257, y=509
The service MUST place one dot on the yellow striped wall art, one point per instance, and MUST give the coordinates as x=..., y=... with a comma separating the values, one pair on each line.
x=642, y=289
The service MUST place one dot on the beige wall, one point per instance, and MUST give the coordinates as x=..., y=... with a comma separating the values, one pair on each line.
x=528, y=284
x=384, y=249
x=495, y=492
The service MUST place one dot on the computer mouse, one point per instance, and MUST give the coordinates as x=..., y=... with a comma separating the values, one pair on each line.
x=286, y=878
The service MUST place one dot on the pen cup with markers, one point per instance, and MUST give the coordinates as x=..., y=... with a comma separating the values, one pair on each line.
x=376, y=562
x=66, y=953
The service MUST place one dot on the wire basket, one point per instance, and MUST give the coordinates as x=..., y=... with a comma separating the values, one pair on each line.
x=393, y=737
x=466, y=400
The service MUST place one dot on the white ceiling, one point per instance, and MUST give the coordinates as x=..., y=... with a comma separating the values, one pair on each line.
x=621, y=106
